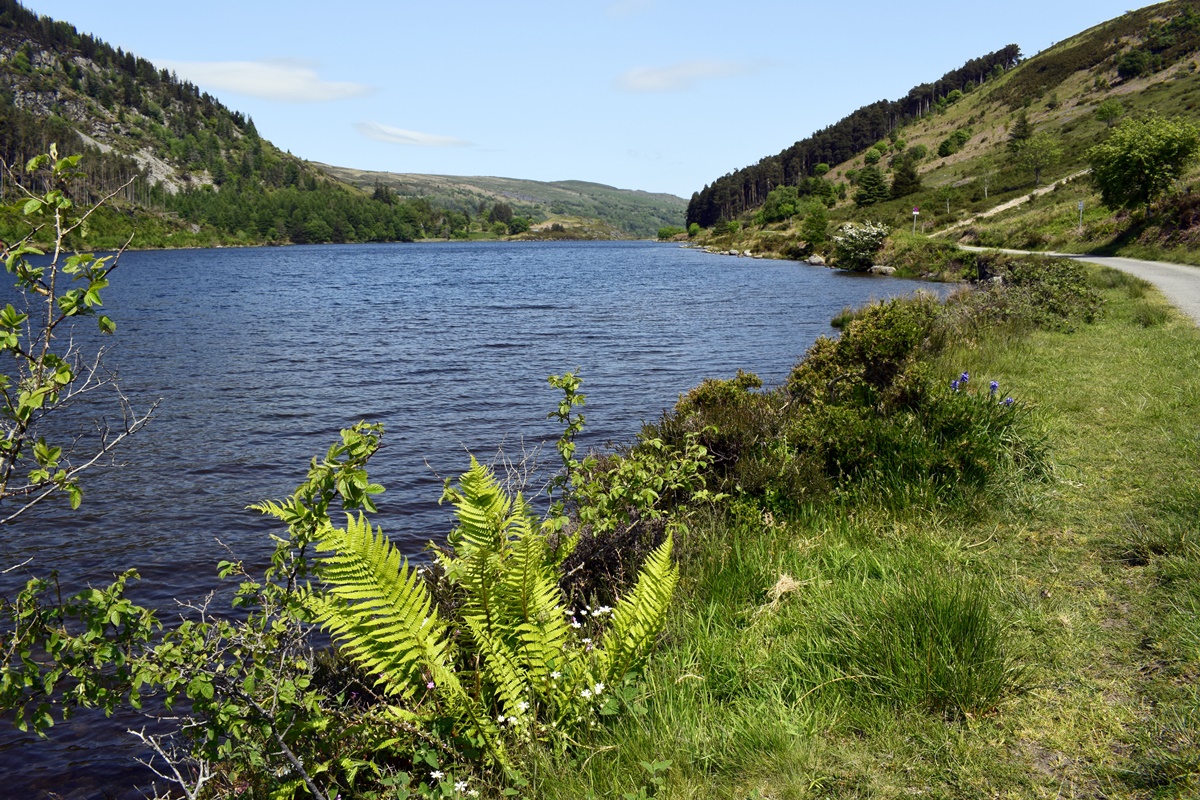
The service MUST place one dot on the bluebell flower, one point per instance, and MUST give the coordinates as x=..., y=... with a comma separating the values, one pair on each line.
x=966, y=376
x=995, y=386
x=954, y=385
x=1008, y=401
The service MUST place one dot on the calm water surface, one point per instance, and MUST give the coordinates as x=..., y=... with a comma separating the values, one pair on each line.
x=260, y=356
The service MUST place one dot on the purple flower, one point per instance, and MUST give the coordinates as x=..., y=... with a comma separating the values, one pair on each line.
x=1008, y=401
x=995, y=386
x=966, y=376
x=954, y=385
x=430, y=685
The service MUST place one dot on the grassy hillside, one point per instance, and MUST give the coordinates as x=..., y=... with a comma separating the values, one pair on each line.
x=1060, y=93
x=635, y=213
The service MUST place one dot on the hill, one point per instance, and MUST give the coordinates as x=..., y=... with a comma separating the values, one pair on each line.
x=965, y=157
x=188, y=171
x=635, y=213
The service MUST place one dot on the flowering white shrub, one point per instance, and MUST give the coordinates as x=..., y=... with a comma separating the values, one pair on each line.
x=855, y=246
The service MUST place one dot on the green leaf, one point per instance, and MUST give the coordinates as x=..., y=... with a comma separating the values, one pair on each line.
x=32, y=207
x=107, y=325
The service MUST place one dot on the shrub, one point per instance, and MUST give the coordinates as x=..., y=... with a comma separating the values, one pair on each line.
x=954, y=142
x=855, y=246
x=781, y=204
x=815, y=227
x=860, y=413
x=1050, y=293
x=916, y=254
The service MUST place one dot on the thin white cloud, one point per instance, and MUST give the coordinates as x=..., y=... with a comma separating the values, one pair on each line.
x=283, y=80
x=627, y=8
x=386, y=133
x=679, y=77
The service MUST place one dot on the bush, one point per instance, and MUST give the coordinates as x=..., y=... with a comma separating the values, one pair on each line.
x=954, y=142
x=855, y=246
x=917, y=254
x=781, y=204
x=857, y=413
x=1049, y=293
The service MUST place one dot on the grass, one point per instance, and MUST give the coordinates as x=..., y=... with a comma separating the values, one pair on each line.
x=1045, y=644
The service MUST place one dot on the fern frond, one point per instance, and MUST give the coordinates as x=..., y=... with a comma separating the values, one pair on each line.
x=533, y=601
x=482, y=509
x=512, y=603
x=379, y=611
x=639, y=616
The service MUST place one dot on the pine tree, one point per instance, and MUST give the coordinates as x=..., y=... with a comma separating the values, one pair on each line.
x=905, y=179
x=1021, y=132
x=872, y=187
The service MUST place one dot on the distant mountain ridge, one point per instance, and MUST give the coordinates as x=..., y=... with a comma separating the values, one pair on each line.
x=636, y=213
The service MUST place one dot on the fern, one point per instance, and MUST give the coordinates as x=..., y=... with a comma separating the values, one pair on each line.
x=639, y=616
x=379, y=610
x=522, y=665
x=380, y=613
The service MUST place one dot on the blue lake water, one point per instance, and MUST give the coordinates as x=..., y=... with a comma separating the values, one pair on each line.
x=259, y=356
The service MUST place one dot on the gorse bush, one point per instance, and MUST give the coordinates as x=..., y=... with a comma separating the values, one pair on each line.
x=1049, y=293
x=866, y=414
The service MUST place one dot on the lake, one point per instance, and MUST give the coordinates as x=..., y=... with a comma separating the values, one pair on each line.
x=259, y=356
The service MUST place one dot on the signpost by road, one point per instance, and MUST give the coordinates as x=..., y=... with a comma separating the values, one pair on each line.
x=1081, y=218
x=917, y=213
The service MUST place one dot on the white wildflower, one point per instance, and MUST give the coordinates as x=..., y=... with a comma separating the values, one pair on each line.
x=522, y=706
x=437, y=774
x=556, y=675
x=586, y=694
x=599, y=688
x=460, y=786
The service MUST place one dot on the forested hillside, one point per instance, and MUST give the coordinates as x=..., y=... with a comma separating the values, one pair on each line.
x=747, y=188
x=195, y=171
x=1000, y=163
x=188, y=171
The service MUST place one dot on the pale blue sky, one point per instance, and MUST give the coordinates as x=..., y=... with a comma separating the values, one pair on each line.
x=640, y=94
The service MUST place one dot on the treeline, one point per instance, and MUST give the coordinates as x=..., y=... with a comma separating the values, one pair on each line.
x=747, y=188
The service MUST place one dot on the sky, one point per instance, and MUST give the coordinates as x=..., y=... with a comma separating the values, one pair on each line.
x=656, y=95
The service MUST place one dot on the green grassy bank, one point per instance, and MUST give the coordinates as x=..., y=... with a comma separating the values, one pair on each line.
x=818, y=652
